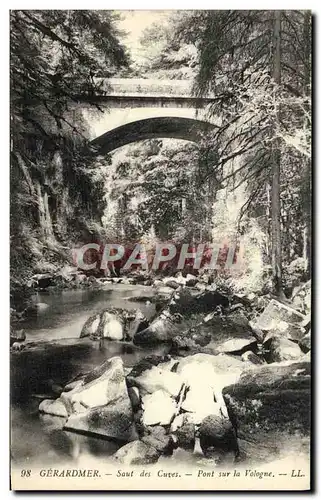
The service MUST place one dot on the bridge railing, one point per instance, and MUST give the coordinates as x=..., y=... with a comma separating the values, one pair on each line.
x=139, y=87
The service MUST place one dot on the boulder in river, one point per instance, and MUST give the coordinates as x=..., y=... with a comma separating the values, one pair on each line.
x=36, y=309
x=218, y=371
x=136, y=324
x=185, y=306
x=114, y=324
x=90, y=328
x=165, y=291
x=43, y=281
x=186, y=302
x=157, y=378
x=191, y=280
x=157, y=437
x=237, y=345
x=159, y=408
x=114, y=420
x=17, y=336
x=136, y=453
x=217, y=435
x=161, y=330
x=281, y=349
x=99, y=387
x=17, y=346
x=148, y=362
x=172, y=283
x=269, y=408
x=111, y=326
x=285, y=330
x=101, y=405
x=214, y=334
x=200, y=400
x=53, y=407
x=204, y=377
x=185, y=436
x=281, y=320
x=252, y=358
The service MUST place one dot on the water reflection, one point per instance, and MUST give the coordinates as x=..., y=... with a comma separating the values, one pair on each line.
x=69, y=309
x=40, y=439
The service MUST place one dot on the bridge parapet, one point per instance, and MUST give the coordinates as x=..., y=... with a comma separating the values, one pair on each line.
x=140, y=87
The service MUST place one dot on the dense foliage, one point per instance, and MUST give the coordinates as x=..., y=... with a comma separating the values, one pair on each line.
x=251, y=178
x=258, y=64
x=159, y=187
x=55, y=57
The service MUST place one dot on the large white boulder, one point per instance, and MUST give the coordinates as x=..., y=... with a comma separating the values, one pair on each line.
x=159, y=408
x=112, y=326
x=101, y=386
x=157, y=378
x=100, y=404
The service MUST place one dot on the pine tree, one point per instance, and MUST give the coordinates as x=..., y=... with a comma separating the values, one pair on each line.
x=56, y=56
x=254, y=63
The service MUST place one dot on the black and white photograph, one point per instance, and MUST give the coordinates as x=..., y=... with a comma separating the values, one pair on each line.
x=160, y=250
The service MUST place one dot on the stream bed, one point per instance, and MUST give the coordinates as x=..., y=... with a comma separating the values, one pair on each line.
x=37, y=438
x=59, y=355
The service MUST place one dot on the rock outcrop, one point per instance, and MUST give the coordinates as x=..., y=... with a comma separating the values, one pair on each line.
x=136, y=453
x=177, y=395
x=114, y=324
x=55, y=408
x=279, y=319
x=269, y=408
x=281, y=349
x=97, y=403
x=214, y=335
x=161, y=330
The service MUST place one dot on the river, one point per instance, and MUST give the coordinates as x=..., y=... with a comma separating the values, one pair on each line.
x=38, y=439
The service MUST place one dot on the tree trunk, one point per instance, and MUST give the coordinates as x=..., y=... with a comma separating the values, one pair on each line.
x=268, y=219
x=44, y=214
x=210, y=202
x=183, y=208
x=306, y=181
x=276, y=160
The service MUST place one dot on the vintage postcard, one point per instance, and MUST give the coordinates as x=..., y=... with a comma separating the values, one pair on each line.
x=160, y=240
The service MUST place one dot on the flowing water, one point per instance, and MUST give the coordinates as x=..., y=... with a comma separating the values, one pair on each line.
x=39, y=439
x=68, y=310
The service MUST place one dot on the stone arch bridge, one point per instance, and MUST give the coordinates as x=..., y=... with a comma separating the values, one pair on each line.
x=138, y=109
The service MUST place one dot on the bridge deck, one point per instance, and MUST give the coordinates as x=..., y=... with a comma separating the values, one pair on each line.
x=147, y=88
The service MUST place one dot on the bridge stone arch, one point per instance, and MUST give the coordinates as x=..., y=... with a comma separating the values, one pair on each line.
x=161, y=127
x=138, y=109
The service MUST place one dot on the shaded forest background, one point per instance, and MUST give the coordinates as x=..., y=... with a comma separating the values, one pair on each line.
x=249, y=179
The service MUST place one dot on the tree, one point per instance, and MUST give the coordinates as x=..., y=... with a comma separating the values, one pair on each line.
x=276, y=159
x=56, y=56
x=169, y=47
x=159, y=189
x=242, y=57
